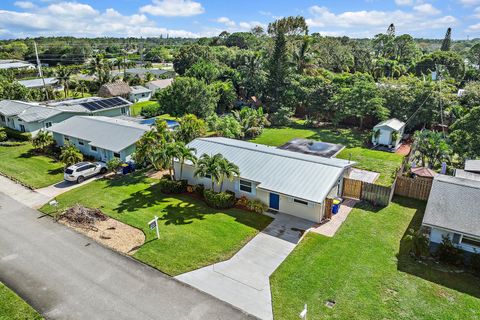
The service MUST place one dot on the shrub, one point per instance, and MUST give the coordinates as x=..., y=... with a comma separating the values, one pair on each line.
x=3, y=136
x=114, y=164
x=199, y=189
x=281, y=117
x=448, y=253
x=219, y=200
x=173, y=186
x=17, y=135
x=151, y=110
x=257, y=206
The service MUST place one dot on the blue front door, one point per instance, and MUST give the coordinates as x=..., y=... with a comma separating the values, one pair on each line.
x=274, y=201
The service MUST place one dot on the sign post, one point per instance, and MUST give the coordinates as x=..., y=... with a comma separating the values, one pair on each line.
x=303, y=314
x=153, y=224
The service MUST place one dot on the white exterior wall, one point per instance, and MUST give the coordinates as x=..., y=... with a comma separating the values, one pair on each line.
x=312, y=211
x=385, y=137
x=436, y=236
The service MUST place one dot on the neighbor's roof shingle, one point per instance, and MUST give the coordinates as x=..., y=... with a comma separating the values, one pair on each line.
x=102, y=132
x=303, y=176
x=453, y=205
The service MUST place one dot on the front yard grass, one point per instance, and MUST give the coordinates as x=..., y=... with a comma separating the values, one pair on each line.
x=192, y=235
x=382, y=162
x=365, y=268
x=19, y=162
x=12, y=307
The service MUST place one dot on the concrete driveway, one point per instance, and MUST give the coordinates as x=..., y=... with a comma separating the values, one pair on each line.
x=65, y=275
x=64, y=186
x=244, y=280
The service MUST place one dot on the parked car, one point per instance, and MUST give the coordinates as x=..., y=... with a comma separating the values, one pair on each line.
x=83, y=170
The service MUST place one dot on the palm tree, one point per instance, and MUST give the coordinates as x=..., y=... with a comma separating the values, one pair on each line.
x=148, y=65
x=70, y=155
x=302, y=57
x=149, y=77
x=96, y=65
x=228, y=170
x=42, y=139
x=82, y=87
x=185, y=153
x=118, y=63
x=209, y=166
x=63, y=75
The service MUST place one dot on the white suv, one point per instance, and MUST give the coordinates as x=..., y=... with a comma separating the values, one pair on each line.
x=83, y=170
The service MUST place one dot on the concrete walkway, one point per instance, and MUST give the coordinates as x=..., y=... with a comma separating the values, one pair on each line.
x=331, y=227
x=243, y=281
x=65, y=275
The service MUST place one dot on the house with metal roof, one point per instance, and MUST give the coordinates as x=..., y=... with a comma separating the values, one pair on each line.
x=40, y=83
x=388, y=133
x=160, y=84
x=32, y=117
x=139, y=94
x=289, y=182
x=15, y=64
x=453, y=211
x=102, y=138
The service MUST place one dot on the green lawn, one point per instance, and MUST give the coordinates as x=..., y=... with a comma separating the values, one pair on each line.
x=192, y=235
x=12, y=307
x=383, y=162
x=19, y=163
x=136, y=108
x=366, y=270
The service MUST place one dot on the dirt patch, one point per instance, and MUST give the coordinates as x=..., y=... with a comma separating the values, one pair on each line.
x=111, y=233
x=156, y=174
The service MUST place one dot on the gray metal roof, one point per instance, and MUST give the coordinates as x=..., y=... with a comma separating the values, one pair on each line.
x=139, y=89
x=453, y=205
x=160, y=84
x=298, y=175
x=467, y=175
x=472, y=165
x=394, y=124
x=38, y=113
x=38, y=83
x=15, y=65
x=13, y=108
x=103, y=132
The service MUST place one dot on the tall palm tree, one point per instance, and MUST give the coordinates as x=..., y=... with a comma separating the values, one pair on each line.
x=96, y=65
x=42, y=139
x=63, y=75
x=119, y=63
x=70, y=155
x=303, y=57
x=185, y=153
x=228, y=170
x=209, y=165
x=82, y=87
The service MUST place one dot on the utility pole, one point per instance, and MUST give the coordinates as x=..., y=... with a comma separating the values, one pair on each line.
x=40, y=73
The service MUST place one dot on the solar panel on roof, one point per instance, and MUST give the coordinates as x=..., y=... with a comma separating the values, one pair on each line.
x=103, y=104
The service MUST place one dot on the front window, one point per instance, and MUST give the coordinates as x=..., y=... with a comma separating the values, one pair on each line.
x=124, y=111
x=48, y=124
x=3, y=118
x=80, y=143
x=246, y=186
x=94, y=148
x=116, y=155
x=471, y=241
x=305, y=203
x=66, y=139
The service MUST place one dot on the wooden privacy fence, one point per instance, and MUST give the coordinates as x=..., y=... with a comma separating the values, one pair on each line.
x=416, y=188
x=376, y=194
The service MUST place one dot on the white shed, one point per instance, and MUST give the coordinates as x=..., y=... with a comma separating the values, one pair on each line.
x=388, y=133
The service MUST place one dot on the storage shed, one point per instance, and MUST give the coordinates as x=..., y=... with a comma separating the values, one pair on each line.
x=388, y=133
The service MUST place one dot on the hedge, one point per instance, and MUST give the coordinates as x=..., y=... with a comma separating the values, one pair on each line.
x=173, y=186
x=219, y=200
x=17, y=135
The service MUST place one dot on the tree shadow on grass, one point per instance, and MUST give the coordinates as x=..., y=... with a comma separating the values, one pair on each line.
x=427, y=269
x=56, y=171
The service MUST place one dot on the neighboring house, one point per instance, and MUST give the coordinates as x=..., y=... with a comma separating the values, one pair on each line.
x=139, y=94
x=141, y=72
x=15, y=64
x=452, y=211
x=471, y=170
x=472, y=166
x=103, y=138
x=158, y=85
x=115, y=89
x=384, y=133
x=39, y=84
x=289, y=182
x=29, y=117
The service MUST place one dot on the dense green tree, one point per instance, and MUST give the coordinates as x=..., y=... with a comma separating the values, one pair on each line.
x=278, y=73
x=226, y=95
x=190, y=128
x=189, y=95
x=465, y=135
x=203, y=70
x=431, y=148
x=225, y=126
x=474, y=54
x=251, y=120
x=471, y=96
x=187, y=56
x=452, y=61
x=242, y=40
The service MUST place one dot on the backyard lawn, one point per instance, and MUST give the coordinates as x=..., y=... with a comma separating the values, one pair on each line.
x=136, y=108
x=383, y=162
x=365, y=268
x=12, y=307
x=192, y=235
x=19, y=163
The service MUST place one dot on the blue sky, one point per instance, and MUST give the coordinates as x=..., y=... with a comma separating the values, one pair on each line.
x=195, y=18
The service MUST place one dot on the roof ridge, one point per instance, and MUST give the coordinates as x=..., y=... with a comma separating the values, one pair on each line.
x=104, y=119
x=459, y=181
x=271, y=153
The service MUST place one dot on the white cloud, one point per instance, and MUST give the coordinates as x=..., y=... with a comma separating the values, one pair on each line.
x=427, y=9
x=82, y=20
x=469, y=2
x=474, y=28
x=372, y=22
x=226, y=21
x=404, y=2
x=173, y=8
x=24, y=4
x=476, y=13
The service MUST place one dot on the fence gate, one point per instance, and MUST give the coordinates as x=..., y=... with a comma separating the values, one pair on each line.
x=352, y=188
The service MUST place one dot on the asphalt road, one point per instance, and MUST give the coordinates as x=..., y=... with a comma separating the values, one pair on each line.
x=65, y=275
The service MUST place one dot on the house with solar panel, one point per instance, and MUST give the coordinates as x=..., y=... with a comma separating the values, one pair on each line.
x=102, y=138
x=32, y=117
x=287, y=181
